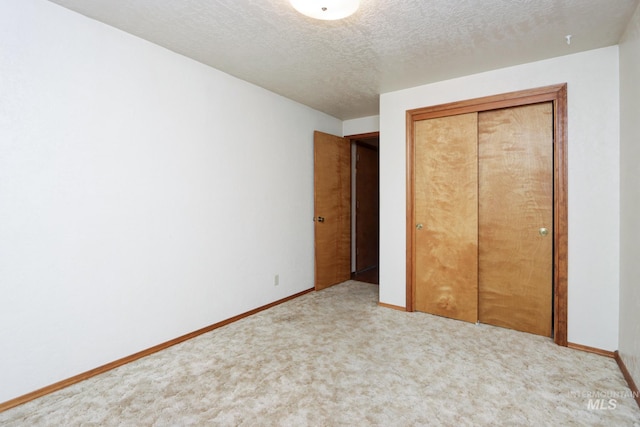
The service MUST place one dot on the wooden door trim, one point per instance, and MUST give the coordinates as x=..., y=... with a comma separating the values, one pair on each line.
x=556, y=94
x=367, y=135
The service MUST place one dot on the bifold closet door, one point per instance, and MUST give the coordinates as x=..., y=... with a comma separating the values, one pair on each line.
x=515, y=218
x=446, y=214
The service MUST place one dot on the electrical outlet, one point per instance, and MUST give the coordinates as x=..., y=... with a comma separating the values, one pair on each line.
x=276, y=280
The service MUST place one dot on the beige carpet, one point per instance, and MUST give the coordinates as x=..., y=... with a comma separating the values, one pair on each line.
x=334, y=358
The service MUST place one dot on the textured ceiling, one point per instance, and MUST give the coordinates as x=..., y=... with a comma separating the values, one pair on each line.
x=341, y=67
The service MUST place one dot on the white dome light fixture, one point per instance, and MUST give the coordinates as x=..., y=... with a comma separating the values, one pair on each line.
x=328, y=10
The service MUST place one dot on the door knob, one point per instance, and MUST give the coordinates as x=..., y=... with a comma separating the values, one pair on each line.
x=418, y=226
x=543, y=231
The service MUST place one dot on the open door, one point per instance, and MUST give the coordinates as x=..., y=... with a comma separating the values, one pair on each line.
x=332, y=209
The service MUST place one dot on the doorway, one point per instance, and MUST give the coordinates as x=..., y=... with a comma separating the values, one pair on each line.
x=365, y=208
x=346, y=208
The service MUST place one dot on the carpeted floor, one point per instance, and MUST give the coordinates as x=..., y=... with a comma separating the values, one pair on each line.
x=334, y=358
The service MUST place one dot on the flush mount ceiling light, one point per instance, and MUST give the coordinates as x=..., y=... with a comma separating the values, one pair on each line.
x=326, y=9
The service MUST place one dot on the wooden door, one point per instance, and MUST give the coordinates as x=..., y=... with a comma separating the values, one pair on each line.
x=446, y=215
x=332, y=209
x=515, y=208
x=367, y=208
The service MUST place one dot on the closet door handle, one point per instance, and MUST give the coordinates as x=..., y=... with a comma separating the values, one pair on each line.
x=418, y=226
x=543, y=231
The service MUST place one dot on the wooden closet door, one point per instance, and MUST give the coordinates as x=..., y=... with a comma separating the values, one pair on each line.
x=446, y=213
x=515, y=208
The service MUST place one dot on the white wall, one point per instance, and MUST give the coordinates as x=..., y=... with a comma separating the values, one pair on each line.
x=630, y=197
x=593, y=150
x=361, y=125
x=142, y=195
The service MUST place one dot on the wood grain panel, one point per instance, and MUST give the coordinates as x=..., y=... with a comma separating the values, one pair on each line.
x=332, y=203
x=515, y=200
x=446, y=203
